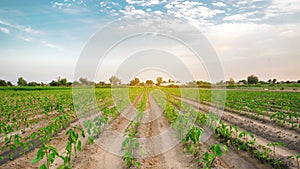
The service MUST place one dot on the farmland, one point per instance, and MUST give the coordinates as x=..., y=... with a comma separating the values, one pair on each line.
x=50, y=129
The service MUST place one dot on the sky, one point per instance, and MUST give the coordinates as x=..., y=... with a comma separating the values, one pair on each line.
x=42, y=40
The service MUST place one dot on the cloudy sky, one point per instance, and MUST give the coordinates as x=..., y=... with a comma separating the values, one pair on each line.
x=41, y=40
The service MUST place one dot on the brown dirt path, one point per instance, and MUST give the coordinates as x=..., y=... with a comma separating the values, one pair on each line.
x=157, y=155
x=106, y=153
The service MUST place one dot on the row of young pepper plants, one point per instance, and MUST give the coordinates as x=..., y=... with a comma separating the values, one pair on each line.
x=280, y=108
x=77, y=133
x=225, y=133
x=17, y=142
x=188, y=125
x=130, y=145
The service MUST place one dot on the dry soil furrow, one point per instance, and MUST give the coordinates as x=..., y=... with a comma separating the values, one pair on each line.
x=231, y=159
x=106, y=153
x=269, y=132
x=161, y=152
x=282, y=152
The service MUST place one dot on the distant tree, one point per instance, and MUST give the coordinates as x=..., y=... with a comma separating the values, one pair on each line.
x=135, y=82
x=203, y=84
x=231, y=82
x=252, y=79
x=84, y=81
x=242, y=82
x=102, y=84
x=9, y=83
x=142, y=84
x=54, y=83
x=22, y=82
x=114, y=80
x=149, y=82
x=76, y=83
x=270, y=81
x=220, y=82
x=159, y=80
x=171, y=81
x=3, y=83
x=33, y=84
x=69, y=84
x=60, y=82
x=63, y=82
x=263, y=82
x=274, y=81
x=298, y=81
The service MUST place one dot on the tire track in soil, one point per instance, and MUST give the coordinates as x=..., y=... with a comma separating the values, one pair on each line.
x=171, y=159
x=96, y=156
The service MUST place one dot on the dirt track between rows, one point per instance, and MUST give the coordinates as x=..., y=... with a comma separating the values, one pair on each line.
x=264, y=133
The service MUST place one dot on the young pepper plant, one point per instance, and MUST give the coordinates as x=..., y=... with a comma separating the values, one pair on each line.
x=209, y=157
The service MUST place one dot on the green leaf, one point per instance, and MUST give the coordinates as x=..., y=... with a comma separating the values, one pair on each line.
x=4, y=148
x=79, y=145
x=91, y=140
x=219, y=151
x=36, y=160
x=43, y=166
x=61, y=167
x=225, y=148
x=138, y=164
x=68, y=147
x=51, y=157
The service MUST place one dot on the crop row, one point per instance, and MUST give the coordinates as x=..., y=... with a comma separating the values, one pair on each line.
x=228, y=134
x=130, y=144
x=253, y=104
x=17, y=141
x=248, y=100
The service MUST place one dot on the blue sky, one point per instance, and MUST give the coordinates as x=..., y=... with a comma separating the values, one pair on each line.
x=41, y=40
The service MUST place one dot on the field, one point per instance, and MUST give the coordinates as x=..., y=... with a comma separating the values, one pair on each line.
x=148, y=127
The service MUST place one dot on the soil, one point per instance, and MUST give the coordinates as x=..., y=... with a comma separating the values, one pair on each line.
x=158, y=147
x=264, y=133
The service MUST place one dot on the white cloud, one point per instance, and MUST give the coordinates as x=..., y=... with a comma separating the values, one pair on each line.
x=20, y=27
x=27, y=39
x=219, y=4
x=192, y=11
x=144, y=2
x=61, y=5
x=236, y=17
x=151, y=2
x=130, y=10
x=158, y=12
x=279, y=7
x=4, y=30
x=73, y=7
x=49, y=45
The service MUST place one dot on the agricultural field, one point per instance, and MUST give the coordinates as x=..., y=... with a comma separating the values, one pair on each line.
x=148, y=127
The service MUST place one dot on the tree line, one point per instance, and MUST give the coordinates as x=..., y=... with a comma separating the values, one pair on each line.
x=115, y=81
x=254, y=80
